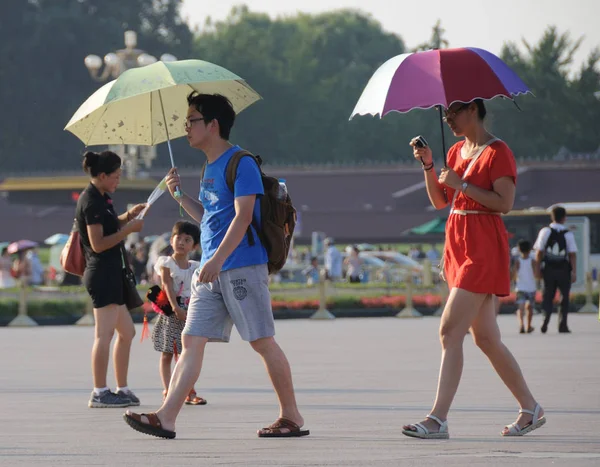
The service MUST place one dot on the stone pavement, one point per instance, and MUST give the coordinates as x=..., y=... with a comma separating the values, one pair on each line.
x=358, y=381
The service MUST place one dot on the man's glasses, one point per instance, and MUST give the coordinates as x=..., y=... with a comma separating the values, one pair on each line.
x=191, y=121
x=451, y=115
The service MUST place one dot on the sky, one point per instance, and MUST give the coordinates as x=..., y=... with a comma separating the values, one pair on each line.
x=478, y=23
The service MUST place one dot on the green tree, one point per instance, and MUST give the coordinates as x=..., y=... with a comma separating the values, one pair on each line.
x=564, y=112
x=310, y=70
x=45, y=42
x=437, y=40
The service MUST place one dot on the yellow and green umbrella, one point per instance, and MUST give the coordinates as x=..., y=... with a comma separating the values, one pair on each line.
x=148, y=106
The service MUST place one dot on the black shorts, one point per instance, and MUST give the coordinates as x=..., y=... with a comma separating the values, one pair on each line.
x=104, y=285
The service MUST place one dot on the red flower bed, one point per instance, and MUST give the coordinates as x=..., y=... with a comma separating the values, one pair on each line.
x=295, y=304
x=398, y=301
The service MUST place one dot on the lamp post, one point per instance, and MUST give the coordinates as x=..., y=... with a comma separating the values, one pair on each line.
x=116, y=63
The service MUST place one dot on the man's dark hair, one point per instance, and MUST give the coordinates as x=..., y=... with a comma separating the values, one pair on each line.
x=559, y=214
x=214, y=107
x=185, y=227
x=524, y=246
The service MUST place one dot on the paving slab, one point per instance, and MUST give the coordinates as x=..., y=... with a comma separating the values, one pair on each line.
x=357, y=380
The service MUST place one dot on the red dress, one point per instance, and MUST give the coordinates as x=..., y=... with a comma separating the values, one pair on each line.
x=476, y=256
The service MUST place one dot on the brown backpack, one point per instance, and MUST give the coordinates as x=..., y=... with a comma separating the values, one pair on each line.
x=278, y=217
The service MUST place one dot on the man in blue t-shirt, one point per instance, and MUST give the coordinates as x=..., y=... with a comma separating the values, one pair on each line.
x=231, y=284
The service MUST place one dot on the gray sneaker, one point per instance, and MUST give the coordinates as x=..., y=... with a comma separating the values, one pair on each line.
x=107, y=399
x=129, y=395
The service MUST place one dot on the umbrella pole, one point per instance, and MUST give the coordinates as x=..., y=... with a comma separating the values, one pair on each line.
x=441, y=110
x=162, y=108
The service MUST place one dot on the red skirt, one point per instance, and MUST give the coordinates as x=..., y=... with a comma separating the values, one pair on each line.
x=476, y=256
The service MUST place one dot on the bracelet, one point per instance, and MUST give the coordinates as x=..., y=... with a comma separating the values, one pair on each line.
x=427, y=168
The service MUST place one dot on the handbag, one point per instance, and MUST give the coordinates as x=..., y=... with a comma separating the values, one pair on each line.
x=130, y=294
x=159, y=301
x=72, y=257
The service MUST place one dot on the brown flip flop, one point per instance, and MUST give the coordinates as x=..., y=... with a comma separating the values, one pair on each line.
x=152, y=428
x=275, y=430
x=193, y=399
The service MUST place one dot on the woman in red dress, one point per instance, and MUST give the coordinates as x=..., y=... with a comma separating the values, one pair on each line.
x=479, y=184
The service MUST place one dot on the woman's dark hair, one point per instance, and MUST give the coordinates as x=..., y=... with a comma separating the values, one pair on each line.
x=481, y=110
x=185, y=227
x=3, y=250
x=96, y=163
x=214, y=107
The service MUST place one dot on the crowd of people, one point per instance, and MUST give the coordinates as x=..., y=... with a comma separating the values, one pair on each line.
x=24, y=265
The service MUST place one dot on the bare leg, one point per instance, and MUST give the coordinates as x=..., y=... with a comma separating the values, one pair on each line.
x=122, y=348
x=529, y=315
x=164, y=368
x=106, y=321
x=486, y=336
x=184, y=376
x=280, y=373
x=460, y=311
x=520, y=318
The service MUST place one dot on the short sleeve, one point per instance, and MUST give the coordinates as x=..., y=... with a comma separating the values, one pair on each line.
x=194, y=265
x=92, y=213
x=248, y=180
x=541, y=240
x=503, y=163
x=163, y=261
x=571, y=244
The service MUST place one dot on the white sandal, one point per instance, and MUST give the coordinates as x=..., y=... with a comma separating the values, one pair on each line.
x=515, y=430
x=423, y=433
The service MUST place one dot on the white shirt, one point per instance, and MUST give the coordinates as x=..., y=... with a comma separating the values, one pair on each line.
x=525, y=277
x=182, y=278
x=333, y=262
x=542, y=239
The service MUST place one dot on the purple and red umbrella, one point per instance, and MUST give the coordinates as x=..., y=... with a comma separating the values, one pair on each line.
x=437, y=78
x=20, y=245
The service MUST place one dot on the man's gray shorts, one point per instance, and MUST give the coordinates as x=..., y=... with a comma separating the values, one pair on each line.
x=239, y=296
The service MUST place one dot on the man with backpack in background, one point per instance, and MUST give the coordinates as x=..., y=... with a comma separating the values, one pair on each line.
x=556, y=264
x=239, y=249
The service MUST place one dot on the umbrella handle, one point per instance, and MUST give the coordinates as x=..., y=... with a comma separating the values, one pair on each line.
x=162, y=107
x=177, y=192
x=441, y=111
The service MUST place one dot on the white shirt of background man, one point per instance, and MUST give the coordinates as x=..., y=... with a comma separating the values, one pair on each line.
x=542, y=239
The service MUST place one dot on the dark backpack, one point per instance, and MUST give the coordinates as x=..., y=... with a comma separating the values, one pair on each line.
x=278, y=217
x=555, y=251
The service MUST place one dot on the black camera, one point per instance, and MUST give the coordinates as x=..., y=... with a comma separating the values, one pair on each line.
x=420, y=142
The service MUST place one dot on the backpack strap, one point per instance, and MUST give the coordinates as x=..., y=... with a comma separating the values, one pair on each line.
x=232, y=167
x=231, y=174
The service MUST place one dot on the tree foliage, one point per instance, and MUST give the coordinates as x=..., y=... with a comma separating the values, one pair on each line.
x=310, y=70
x=42, y=46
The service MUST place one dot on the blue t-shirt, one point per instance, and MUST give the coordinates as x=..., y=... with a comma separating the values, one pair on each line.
x=219, y=210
